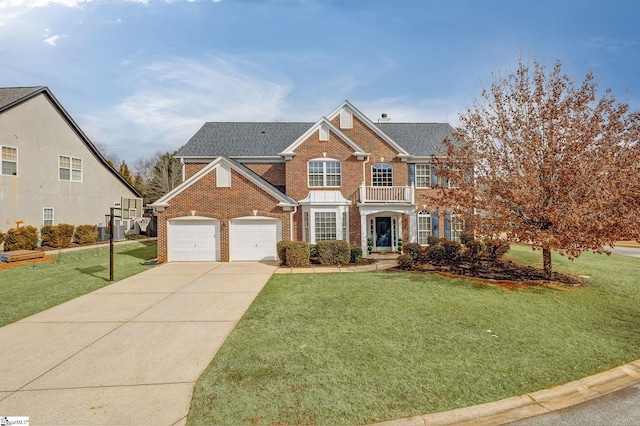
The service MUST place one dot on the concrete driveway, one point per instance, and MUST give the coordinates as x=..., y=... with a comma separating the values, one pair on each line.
x=129, y=353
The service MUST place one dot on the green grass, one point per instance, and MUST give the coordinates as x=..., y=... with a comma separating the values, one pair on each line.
x=364, y=347
x=32, y=288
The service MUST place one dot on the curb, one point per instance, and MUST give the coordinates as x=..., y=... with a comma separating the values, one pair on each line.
x=530, y=404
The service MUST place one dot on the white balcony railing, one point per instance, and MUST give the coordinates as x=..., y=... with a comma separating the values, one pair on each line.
x=386, y=194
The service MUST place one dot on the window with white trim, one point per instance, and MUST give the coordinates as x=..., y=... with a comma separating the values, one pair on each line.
x=424, y=227
x=9, y=161
x=325, y=173
x=305, y=225
x=457, y=225
x=423, y=175
x=47, y=216
x=70, y=168
x=382, y=174
x=325, y=226
x=345, y=226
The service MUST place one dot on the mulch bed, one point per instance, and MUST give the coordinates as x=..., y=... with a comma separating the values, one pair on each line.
x=504, y=273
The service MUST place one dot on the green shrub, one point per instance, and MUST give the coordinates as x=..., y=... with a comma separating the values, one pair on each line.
x=23, y=238
x=475, y=249
x=413, y=250
x=297, y=254
x=432, y=240
x=405, y=262
x=281, y=250
x=451, y=249
x=496, y=248
x=333, y=252
x=436, y=254
x=86, y=234
x=466, y=237
x=356, y=255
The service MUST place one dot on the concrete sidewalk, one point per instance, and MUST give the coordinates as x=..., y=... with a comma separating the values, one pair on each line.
x=129, y=353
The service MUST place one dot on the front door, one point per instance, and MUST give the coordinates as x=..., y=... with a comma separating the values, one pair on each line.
x=383, y=233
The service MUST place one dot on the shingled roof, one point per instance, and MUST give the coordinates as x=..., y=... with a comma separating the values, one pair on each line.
x=11, y=95
x=250, y=139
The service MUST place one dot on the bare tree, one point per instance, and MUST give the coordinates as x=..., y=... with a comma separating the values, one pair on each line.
x=165, y=175
x=554, y=164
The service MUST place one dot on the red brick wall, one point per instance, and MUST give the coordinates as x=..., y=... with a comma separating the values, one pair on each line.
x=220, y=203
x=274, y=173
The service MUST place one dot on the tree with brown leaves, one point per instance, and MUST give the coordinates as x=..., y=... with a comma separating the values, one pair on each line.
x=554, y=164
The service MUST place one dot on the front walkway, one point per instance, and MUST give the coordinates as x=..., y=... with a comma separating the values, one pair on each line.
x=128, y=353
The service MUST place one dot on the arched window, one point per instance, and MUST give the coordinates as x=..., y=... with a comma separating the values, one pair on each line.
x=382, y=174
x=324, y=172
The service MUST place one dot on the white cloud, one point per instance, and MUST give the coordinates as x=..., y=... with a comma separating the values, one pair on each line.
x=174, y=97
x=53, y=40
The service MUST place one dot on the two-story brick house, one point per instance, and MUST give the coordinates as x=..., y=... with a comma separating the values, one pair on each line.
x=248, y=185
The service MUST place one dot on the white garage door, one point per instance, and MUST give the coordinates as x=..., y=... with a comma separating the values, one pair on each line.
x=254, y=238
x=192, y=240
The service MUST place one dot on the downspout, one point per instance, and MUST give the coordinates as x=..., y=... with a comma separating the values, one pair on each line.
x=182, y=166
x=295, y=210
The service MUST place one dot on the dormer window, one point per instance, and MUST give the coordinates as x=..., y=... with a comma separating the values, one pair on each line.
x=325, y=172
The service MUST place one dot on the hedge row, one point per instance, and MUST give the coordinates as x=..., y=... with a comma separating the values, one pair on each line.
x=447, y=252
x=55, y=236
x=299, y=253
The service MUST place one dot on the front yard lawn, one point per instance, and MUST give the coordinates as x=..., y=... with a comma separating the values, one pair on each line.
x=34, y=287
x=356, y=348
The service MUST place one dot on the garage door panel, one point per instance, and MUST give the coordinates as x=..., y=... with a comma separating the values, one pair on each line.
x=192, y=240
x=254, y=239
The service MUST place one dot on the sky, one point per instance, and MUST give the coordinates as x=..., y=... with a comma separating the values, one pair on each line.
x=142, y=76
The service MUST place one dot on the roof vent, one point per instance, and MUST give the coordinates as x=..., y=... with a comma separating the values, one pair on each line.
x=384, y=119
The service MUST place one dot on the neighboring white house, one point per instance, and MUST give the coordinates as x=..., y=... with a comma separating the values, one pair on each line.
x=51, y=172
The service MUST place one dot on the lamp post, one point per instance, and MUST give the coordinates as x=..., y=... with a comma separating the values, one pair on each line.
x=112, y=215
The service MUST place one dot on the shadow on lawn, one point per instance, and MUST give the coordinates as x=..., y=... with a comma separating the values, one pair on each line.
x=94, y=271
x=145, y=253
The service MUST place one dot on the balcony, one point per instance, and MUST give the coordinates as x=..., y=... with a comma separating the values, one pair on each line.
x=387, y=194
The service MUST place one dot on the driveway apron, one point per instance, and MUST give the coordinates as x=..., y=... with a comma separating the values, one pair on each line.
x=128, y=353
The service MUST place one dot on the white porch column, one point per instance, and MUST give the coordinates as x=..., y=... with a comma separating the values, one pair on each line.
x=363, y=234
x=413, y=227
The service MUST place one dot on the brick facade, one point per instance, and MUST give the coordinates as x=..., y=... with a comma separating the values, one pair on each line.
x=290, y=175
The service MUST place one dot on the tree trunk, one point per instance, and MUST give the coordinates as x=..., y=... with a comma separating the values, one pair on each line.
x=546, y=260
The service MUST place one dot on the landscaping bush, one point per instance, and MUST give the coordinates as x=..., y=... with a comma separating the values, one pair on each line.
x=296, y=254
x=56, y=236
x=23, y=238
x=405, y=262
x=451, y=249
x=281, y=250
x=334, y=252
x=436, y=254
x=475, y=250
x=413, y=250
x=496, y=248
x=86, y=234
x=66, y=234
x=466, y=238
x=356, y=255
x=432, y=240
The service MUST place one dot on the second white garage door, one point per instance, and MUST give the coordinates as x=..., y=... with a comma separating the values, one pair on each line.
x=254, y=238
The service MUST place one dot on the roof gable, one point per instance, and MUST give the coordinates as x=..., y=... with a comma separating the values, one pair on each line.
x=284, y=200
x=346, y=105
x=13, y=96
x=289, y=151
